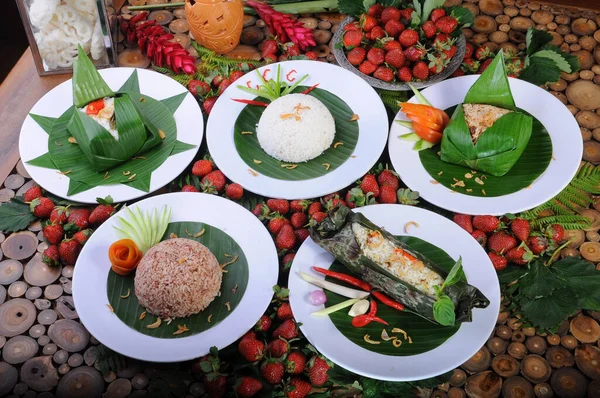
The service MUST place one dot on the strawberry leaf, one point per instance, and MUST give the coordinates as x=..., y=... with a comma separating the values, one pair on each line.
x=536, y=39
x=539, y=282
x=558, y=59
x=15, y=215
x=583, y=277
x=429, y=6
x=547, y=312
x=351, y=7
x=389, y=3
x=463, y=15
x=105, y=201
x=540, y=71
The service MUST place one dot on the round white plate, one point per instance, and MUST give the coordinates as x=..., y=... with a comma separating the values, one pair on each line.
x=91, y=273
x=33, y=141
x=554, y=115
x=360, y=97
x=435, y=229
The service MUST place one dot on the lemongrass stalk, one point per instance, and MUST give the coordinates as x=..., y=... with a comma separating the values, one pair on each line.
x=307, y=7
x=334, y=308
x=155, y=6
x=332, y=287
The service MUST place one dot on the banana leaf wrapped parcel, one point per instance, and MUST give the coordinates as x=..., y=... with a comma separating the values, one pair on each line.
x=392, y=267
x=487, y=132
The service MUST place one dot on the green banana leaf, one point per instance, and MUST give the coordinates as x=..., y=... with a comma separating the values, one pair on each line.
x=233, y=287
x=88, y=85
x=500, y=146
x=335, y=235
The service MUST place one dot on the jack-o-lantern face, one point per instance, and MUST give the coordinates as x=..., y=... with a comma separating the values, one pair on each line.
x=216, y=24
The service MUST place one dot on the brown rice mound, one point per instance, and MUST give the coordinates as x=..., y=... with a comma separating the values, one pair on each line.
x=177, y=278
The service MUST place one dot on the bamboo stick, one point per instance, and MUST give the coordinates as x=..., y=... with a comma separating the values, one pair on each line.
x=306, y=7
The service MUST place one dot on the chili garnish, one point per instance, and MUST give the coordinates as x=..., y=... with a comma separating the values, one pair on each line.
x=288, y=76
x=388, y=301
x=363, y=320
x=250, y=102
x=308, y=90
x=124, y=256
x=94, y=107
x=264, y=74
x=344, y=278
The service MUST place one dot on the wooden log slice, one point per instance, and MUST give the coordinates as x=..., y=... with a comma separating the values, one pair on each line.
x=516, y=37
x=6, y=195
x=60, y=356
x=559, y=357
x=10, y=271
x=52, y=292
x=542, y=17
x=90, y=355
x=21, y=169
x=586, y=60
x=47, y=317
x=119, y=388
x=20, y=245
x=517, y=350
x=471, y=7
x=583, y=26
x=517, y=387
x=16, y=317
x=162, y=17
x=42, y=304
x=43, y=340
x=576, y=238
x=591, y=152
x=14, y=181
x=38, y=273
x=69, y=335
x=585, y=329
x=587, y=358
x=322, y=36
x=39, y=374
x=81, y=382
x=594, y=389
x=535, y=368
x=584, y=94
x=568, y=383
x=543, y=390
x=66, y=307
x=140, y=381
x=19, y=349
x=478, y=362
x=183, y=39
x=179, y=26
x=244, y=52
x=484, y=385
x=37, y=331
x=496, y=345
x=484, y=24
x=505, y=366
x=179, y=13
x=458, y=378
x=8, y=378
x=133, y=58
x=521, y=24
x=252, y=35
x=75, y=360
x=491, y=7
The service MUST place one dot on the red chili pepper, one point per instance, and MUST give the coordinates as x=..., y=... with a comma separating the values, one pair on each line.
x=308, y=90
x=250, y=102
x=264, y=75
x=288, y=76
x=363, y=320
x=94, y=107
x=248, y=84
x=344, y=278
x=373, y=308
x=388, y=301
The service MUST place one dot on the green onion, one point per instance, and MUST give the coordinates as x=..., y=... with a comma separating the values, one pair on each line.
x=405, y=123
x=145, y=229
x=337, y=307
x=420, y=96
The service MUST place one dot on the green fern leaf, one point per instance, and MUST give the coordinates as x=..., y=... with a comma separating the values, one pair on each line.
x=109, y=360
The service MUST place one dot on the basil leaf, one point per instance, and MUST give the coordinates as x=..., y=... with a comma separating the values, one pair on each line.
x=443, y=311
x=455, y=275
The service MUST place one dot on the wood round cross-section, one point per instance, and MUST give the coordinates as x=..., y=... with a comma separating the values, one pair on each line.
x=39, y=374
x=10, y=271
x=517, y=387
x=536, y=345
x=559, y=357
x=568, y=383
x=585, y=329
x=588, y=361
x=69, y=335
x=81, y=382
x=38, y=273
x=19, y=349
x=16, y=317
x=8, y=378
x=20, y=245
x=484, y=385
x=505, y=365
x=535, y=368
x=478, y=362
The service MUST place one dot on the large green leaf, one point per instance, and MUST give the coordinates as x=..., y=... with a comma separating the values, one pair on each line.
x=88, y=85
x=45, y=122
x=425, y=335
x=583, y=277
x=132, y=84
x=492, y=87
x=233, y=286
x=249, y=149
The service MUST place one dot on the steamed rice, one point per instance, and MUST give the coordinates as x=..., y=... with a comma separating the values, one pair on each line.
x=296, y=128
x=177, y=278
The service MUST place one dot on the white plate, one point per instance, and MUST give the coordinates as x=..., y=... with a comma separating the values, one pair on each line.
x=360, y=97
x=91, y=273
x=33, y=141
x=435, y=229
x=554, y=115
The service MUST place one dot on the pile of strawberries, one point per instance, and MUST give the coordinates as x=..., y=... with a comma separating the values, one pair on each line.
x=511, y=239
x=478, y=59
x=66, y=229
x=386, y=44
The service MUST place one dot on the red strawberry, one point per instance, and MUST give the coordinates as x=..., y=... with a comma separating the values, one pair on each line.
x=301, y=234
x=537, y=244
x=414, y=53
x=555, y=232
x=235, y=75
x=295, y=363
x=278, y=348
x=251, y=349
x=269, y=47
x=436, y=14
x=464, y=221
x=51, y=256
x=480, y=237
x=389, y=13
x=297, y=388
x=395, y=58
x=446, y=24
x=68, y=251
x=520, y=228
x=457, y=73
x=520, y=255
x=317, y=371
x=498, y=261
x=299, y=206
x=261, y=211
x=393, y=28
x=82, y=236
x=32, y=193
x=355, y=197
x=284, y=312
x=367, y=22
x=59, y=215
x=469, y=50
x=352, y=38
x=376, y=56
x=470, y=65
x=369, y=184
x=276, y=224
x=392, y=45
x=280, y=206
x=288, y=330
x=216, y=81
x=420, y=71
x=53, y=233
x=311, y=55
x=384, y=73
x=429, y=29
x=352, y=26
x=367, y=67
x=198, y=87
x=101, y=213
x=484, y=65
x=248, y=387
x=213, y=181
x=388, y=177
x=270, y=58
x=357, y=55
x=299, y=220
x=249, y=335
x=375, y=10
x=406, y=14
x=79, y=217
x=450, y=52
x=408, y=38
x=263, y=324
x=202, y=167
x=314, y=208
x=287, y=260
x=223, y=86
x=318, y=216
x=272, y=371
x=405, y=74
x=486, y=223
x=377, y=33
x=387, y=194
x=501, y=242
x=189, y=188
x=291, y=49
x=482, y=53
x=285, y=239
x=208, y=104
x=41, y=207
x=216, y=385
x=234, y=191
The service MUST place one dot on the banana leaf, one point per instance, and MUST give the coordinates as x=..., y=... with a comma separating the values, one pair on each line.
x=335, y=235
x=88, y=85
x=500, y=146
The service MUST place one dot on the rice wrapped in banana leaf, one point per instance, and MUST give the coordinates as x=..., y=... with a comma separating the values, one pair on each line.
x=487, y=132
x=389, y=265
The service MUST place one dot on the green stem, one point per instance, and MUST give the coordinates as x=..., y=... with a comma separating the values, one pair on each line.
x=155, y=6
x=306, y=7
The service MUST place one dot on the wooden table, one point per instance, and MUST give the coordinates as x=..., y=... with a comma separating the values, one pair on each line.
x=19, y=92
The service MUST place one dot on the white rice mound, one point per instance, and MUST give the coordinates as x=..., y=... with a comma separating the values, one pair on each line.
x=301, y=137
x=177, y=278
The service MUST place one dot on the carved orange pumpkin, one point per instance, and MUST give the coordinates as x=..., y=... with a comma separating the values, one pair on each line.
x=216, y=24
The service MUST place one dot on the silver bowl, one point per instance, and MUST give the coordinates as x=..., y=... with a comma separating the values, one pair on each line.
x=340, y=56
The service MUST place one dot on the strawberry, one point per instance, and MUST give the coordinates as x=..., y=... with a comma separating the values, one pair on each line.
x=198, y=87
x=213, y=181
x=82, y=236
x=520, y=228
x=251, y=349
x=317, y=371
x=469, y=50
x=79, y=217
x=53, y=233
x=387, y=194
x=299, y=220
x=295, y=363
x=68, y=251
x=388, y=177
x=470, y=65
x=429, y=29
x=464, y=221
x=287, y=260
x=41, y=207
x=377, y=33
x=352, y=26
x=280, y=206
x=276, y=223
x=51, y=256
x=284, y=312
x=414, y=53
x=436, y=14
x=208, y=104
x=292, y=50
x=299, y=206
x=101, y=213
x=384, y=73
x=278, y=348
x=352, y=38
x=263, y=324
x=357, y=55
x=393, y=28
x=437, y=63
x=249, y=335
x=261, y=211
x=482, y=53
x=520, y=255
x=390, y=45
x=269, y=47
x=501, y=242
x=270, y=58
x=537, y=244
x=446, y=24
x=188, y=188
x=395, y=58
x=272, y=371
x=486, y=223
x=369, y=184
x=288, y=330
x=420, y=71
x=450, y=52
x=408, y=38
x=405, y=74
x=498, y=261
x=484, y=65
x=234, y=191
x=223, y=86
x=59, y=215
x=297, y=388
x=406, y=14
x=32, y=193
x=314, y=208
x=216, y=81
x=202, y=167
x=216, y=385
x=555, y=232
x=235, y=75
x=367, y=22
x=367, y=67
x=311, y=55
x=376, y=56
x=390, y=13
x=285, y=239
x=480, y=237
x=375, y=10
x=457, y=73
x=301, y=234
x=248, y=387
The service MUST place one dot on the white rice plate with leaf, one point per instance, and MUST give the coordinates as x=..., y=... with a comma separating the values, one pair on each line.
x=296, y=128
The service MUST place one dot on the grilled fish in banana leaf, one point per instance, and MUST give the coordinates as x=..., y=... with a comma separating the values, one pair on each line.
x=389, y=265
